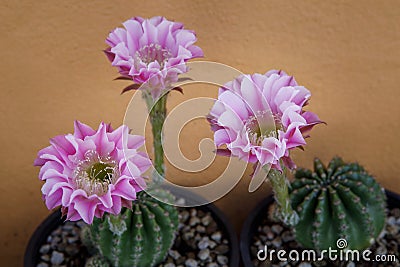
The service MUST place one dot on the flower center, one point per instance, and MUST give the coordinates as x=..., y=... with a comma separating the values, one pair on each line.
x=260, y=126
x=153, y=52
x=94, y=173
x=100, y=171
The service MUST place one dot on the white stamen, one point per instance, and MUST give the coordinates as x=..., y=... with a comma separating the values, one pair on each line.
x=153, y=52
x=95, y=173
x=260, y=126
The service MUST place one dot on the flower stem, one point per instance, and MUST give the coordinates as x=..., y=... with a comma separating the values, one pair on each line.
x=281, y=193
x=157, y=113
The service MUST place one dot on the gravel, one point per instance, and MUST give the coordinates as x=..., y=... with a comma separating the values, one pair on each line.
x=277, y=236
x=63, y=247
x=199, y=243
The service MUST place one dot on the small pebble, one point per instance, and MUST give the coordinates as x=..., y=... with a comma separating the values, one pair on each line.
x=396, y=212
x=174, y=254
x=68, y=226
x=277, y=229
x=188, y=235
x=45, y=257
x=204, y=243
x=277, y=242
x=206, y=220
x=212, y=244
x=184, y=215
x=204, y=254
x=72, y=239
x=216, y=236
x=197, y=237
x=193, y=212
x=270, y=235
x=222, y=249
x=191, y=263
x=200, y=229
x=222, y=259
x=391, y=220
x=265, y=229
x=56, y=258
x=193, y=221
x=211, y=228
x=287, y=236
x=72, y=250
x=44, y=249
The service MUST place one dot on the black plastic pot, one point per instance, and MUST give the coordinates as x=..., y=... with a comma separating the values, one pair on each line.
x=54, y=220
x=258, y=214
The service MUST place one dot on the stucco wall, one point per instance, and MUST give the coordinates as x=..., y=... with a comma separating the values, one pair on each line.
x=53, y=72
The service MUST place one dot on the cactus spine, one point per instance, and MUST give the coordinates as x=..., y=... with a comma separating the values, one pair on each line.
x=340, y=201
x=138, y=237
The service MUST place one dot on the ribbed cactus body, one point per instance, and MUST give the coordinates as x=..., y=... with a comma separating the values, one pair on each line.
x=138, y=237
x=338, y=201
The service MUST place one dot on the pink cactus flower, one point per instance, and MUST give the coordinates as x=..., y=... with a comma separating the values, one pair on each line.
x=91, y=172
x=260, y=118
x=152, y=51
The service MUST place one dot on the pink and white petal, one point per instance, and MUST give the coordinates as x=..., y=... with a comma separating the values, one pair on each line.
x=311, y=117
x=72, y=214
x=302, y=95
x=294, y=138
x=133, y=32
x=290, y=117
x=186, y=38
x=135, y=141
x=116, y=208
x=117, y=36
x=251, y=95
x=86, y=209
x=50, y=169
x=66, y=196
x=221, y=137
x=217, y=109
x=196, y=51
x=235, y=103
x=100, y=138
x=106, y=199
x=230, y=119
x=53, y=200
x=124, y=189
x=62, y=144
x=118, y=136
x=163, y=30
x=82, y=130
x=133, y=169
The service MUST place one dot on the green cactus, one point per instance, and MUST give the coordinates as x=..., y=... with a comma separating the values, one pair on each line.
x=138, y=237
x=340, y=201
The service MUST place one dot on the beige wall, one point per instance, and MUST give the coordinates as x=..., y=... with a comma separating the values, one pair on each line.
x=53, y=71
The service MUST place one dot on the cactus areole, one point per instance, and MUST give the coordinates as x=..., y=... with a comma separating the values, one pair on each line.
x=338, y=201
